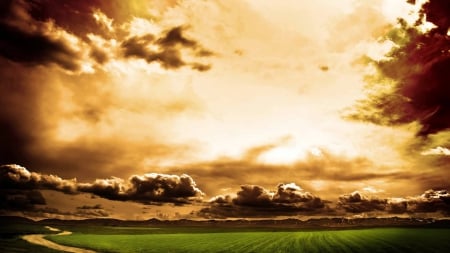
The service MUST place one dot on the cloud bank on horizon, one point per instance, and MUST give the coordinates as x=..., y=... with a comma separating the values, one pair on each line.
x=198, y=109
x=20, y=191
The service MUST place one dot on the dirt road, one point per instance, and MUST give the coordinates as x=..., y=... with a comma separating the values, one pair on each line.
x=40, y=240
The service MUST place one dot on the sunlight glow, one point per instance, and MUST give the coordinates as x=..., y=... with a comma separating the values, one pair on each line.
x=282, y=155
x=69, y=130
x=289, y=154
x=318, y=184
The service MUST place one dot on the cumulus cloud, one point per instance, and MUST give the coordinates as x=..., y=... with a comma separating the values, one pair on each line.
x=147, y=188
x=411, y=81
x=293, y=194
x=18, y=177
x=356, y=202
x=253, y=195
x=431, y=201
x=256, y=201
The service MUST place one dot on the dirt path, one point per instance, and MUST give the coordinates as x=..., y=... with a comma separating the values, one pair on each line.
x=40, y=240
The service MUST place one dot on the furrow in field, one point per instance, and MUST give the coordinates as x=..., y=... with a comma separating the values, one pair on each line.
x=345, y=241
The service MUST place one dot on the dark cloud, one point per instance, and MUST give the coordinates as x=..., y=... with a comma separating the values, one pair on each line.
x=99, y=55
x=40, y=33
x=77, y=16
x=397, y=207
x=411, y=84
x=170, y=46
x=147, y=188
x=175, y=37
x=29, y=100
x=19, y=200
x=252, y=195
x=34, y=48
x=33, y=42
x=358, y=203
x=32, y=203
x=293, y=194
x=74, y=16
x=200, y=67
x=255, y=201
x=431, y=201
x=17, y=177
x=136, y=46
x=438, y=13
x=42, y=37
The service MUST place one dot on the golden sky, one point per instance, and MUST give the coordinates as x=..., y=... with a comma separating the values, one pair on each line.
x=238, y=108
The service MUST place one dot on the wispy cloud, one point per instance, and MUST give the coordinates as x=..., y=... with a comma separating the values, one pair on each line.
x=436, y=151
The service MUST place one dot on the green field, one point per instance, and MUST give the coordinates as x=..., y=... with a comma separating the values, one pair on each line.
x=214, y=240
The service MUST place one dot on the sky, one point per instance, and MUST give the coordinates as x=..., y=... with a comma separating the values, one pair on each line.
x=224, y=109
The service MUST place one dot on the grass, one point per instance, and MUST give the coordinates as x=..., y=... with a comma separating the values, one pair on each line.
x=201, y=240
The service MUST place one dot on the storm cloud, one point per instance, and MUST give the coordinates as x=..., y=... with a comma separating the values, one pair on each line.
x=256, y=201
x=147, y=188
x=95, y=94
x=54, y=63
x=39, y=33
x=35, y=42
x=358, y=203
x=18, y=177
x=431, y=201
x=411, y=83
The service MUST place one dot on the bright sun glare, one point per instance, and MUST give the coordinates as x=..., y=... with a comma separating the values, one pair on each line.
x=288, y=154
